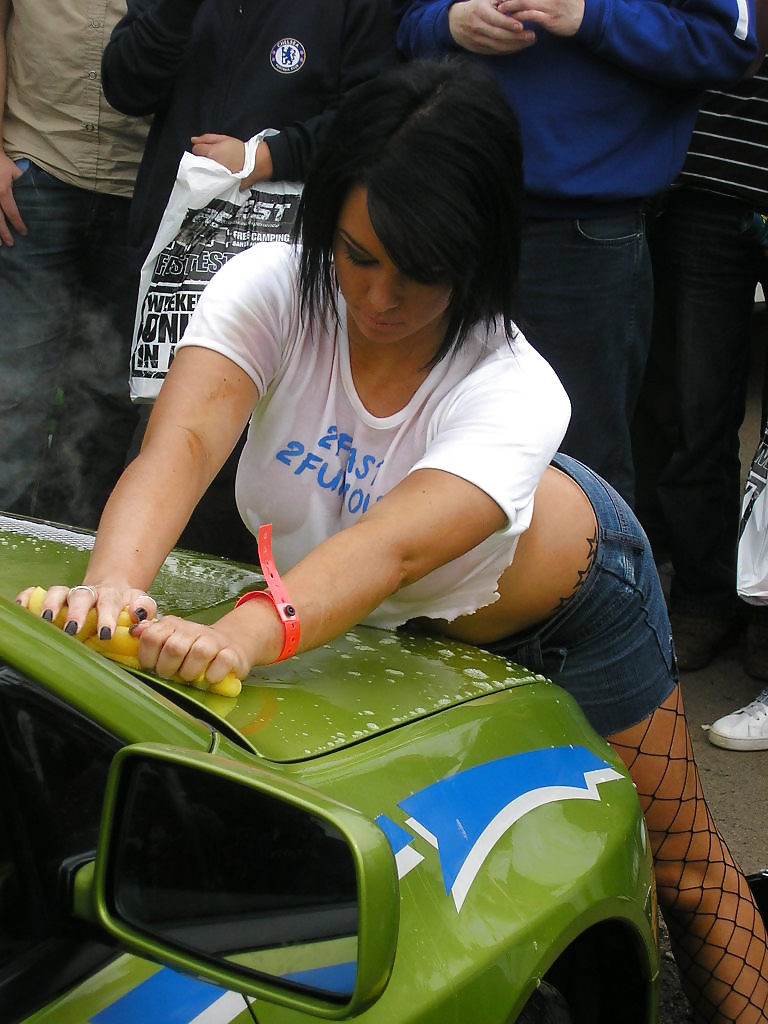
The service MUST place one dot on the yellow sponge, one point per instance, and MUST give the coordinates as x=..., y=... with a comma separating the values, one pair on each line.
x=124, y=648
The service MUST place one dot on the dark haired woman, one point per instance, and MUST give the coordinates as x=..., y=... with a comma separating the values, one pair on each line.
x=401, y=435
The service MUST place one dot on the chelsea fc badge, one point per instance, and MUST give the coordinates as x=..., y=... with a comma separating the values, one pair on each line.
x=287, y=56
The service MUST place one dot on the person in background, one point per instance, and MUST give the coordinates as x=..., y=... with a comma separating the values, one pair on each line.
x=709, y=244
x=219, y=72
x=214, y=73
x=400, y=438
x=745, y=729
x=68, y=279
x=606, y=94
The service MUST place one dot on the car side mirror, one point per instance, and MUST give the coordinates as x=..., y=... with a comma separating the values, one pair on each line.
x=245, y=878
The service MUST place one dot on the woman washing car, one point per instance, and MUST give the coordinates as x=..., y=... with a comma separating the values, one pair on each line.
x=402, y=441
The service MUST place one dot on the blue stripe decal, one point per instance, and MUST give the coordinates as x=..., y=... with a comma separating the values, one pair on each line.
x=338, y=978
x=398, y=837
x=165, y=998
x=457, y=810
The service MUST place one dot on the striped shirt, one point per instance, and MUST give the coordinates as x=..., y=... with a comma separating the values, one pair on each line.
x=728, y=152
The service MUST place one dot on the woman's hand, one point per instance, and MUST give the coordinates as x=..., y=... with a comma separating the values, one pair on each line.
x=196, y=664
x=71, y=607
x=188, y=651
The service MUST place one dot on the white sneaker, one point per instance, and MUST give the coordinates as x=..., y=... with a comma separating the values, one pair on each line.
x=745, y=729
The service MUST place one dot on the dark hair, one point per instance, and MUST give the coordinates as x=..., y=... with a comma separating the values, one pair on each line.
x=437, y=147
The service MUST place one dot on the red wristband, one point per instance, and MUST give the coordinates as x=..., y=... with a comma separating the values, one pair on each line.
x=276, y=595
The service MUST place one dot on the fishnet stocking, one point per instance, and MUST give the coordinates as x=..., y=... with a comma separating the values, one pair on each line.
x=717, y=935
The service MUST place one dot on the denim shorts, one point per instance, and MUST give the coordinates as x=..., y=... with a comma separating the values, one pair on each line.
x=611, y=644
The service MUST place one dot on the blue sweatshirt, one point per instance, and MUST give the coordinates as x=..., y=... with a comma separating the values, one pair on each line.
x=605, y=115
x=235, y=67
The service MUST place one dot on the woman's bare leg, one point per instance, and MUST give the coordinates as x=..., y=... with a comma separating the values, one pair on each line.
x=717, y=934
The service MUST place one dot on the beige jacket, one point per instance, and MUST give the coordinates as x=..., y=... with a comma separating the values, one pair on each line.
x=55, y=112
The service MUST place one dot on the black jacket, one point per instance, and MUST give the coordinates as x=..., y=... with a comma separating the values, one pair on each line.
x=235, y=67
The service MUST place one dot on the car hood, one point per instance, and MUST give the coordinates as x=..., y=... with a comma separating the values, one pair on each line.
x=34, y=552
x=364, y=683
x=367, y=682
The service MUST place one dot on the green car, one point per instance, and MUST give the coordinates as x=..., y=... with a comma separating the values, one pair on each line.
x=391, y=828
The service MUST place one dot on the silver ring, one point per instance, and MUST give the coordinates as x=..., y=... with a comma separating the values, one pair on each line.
x=84, y=586
x=154, y=602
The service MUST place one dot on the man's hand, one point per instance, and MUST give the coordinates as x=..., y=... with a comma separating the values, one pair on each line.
x=483, y=26
x=560, y=17
x=224, y=149
x=9, y=211
x=230, y=152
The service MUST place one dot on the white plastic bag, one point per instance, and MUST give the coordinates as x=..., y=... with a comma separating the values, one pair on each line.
x=752, y=560
x=207, y=220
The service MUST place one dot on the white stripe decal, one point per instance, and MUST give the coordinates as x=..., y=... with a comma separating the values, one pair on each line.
x=515, y=810
x=419, y=829
x=406, y=860
x=224, y=1010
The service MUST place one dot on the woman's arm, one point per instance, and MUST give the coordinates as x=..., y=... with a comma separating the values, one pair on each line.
x=429, y=519
x=513, y=413
x=200, y=413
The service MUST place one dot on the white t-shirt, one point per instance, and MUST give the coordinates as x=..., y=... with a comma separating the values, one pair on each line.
x=316, y=459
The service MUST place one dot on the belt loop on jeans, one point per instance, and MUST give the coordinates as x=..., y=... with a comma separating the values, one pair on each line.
x=553, y=660
x=544, y=660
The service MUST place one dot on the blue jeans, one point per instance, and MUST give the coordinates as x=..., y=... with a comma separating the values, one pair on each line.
x=585, y=301
x=67, y=303
x=686, y=430
x=611, y=644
